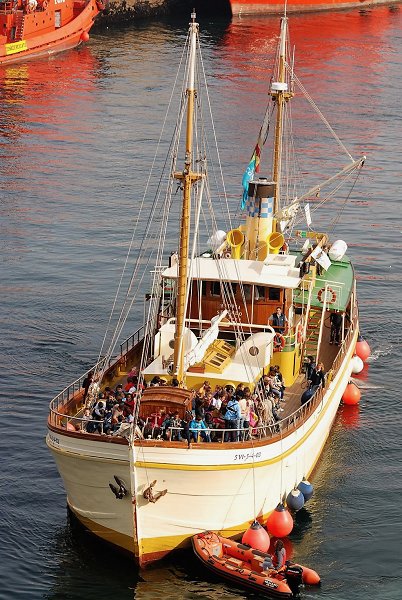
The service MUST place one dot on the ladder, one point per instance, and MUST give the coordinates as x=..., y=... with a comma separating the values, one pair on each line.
x=312, y=332
x=19, y=25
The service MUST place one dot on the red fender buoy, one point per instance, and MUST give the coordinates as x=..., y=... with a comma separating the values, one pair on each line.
x=362, y=349
x=84, y=36
x=280, y=522
x=351, y=395
x=256, y=537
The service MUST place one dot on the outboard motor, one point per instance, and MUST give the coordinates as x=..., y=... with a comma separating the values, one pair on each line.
x=294, y=578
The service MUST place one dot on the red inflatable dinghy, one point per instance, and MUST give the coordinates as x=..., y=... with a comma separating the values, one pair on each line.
x=244, y=566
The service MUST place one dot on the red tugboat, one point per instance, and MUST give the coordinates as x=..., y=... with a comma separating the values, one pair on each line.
x=245, y=566
x=32, y=28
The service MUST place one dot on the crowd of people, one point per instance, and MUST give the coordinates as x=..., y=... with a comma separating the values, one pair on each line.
x=225, y=413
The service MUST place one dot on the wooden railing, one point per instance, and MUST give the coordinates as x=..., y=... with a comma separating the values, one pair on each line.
x=72, y=390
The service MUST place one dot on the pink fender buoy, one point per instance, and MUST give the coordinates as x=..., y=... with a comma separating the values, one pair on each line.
x=362, y=349
x=70, y=427
x=84, y=36
x=351, y=395
x=256, y=537
x=280, y=522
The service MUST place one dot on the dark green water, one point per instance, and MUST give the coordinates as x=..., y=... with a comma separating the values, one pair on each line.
x=76, y=138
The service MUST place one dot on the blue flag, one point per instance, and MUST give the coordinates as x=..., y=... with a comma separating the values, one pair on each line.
x=254, y=164
x=249, y=174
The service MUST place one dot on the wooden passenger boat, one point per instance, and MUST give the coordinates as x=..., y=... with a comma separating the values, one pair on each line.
x=143, y=487
x=244, y=566
x=33, y=28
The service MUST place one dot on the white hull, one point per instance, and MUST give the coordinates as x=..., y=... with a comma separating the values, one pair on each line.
x=208, y=488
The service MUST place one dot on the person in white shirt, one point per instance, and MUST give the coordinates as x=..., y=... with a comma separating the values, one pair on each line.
x=246, y=405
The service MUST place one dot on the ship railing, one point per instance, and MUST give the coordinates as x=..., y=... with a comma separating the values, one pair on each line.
x=71, y=391
x=133, y=340
x=6, y=7
x=264, y=431
x=78, y=424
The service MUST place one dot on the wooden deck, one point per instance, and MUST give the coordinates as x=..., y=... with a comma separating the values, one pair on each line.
x=293, y=393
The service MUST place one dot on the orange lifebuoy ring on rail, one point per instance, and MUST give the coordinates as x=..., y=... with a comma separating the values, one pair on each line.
x=299, y=333
x=331, y=295
x=279, y=342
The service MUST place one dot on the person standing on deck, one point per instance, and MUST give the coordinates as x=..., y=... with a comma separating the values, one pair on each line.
x=87, y=382
x=232, y=417
x=336, y=324
x=317, y=378
x=278, y=321
x=310, y=366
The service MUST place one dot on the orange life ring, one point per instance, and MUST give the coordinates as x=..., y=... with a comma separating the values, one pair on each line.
x=44, y=4
x=279, y=342
x=332, y=298
x=299, y=333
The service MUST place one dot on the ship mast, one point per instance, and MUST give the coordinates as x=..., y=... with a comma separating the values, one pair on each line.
x=187, y=177
x=281, y=94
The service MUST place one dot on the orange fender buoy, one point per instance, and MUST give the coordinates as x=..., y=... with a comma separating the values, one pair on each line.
x=280, y=521
x=310, y=577
x=256, y=537
x=362, y=349
x=84, y=36
x=351, y=395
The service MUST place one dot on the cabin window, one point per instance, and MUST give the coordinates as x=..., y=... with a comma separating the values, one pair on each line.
x=259, y=292
x=247, y=292
x=231, y=289
x=12, y=33
x=57, y=18
x=215, y=288
x=274, y=294
x=204, y=288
